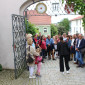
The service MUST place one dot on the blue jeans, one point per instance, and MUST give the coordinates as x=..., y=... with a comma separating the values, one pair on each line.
x=75, y=57
x=79, y=57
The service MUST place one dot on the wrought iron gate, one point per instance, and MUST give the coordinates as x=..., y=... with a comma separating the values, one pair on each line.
x=19, y=43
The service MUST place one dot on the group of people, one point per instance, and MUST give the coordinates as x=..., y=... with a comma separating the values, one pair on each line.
x=65, y=47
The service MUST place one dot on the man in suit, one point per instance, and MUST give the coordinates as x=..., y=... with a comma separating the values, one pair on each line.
x=75, y=42
x=79, y=46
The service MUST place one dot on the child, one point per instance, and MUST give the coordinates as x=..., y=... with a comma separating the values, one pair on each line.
x=38, y=60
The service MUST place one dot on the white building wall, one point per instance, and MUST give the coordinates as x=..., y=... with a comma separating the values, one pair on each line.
x=76, y=27
x=82, y=28
x=7, y=8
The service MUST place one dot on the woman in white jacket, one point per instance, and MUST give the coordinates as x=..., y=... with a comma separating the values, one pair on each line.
x=33, y=53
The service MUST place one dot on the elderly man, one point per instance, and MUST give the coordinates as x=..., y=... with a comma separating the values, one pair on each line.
x=50, y=47
x=79, y=46
x=64, y=37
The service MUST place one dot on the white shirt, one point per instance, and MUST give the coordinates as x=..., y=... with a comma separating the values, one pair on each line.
x=64, y=38
x=72, y=42
x=79, y=43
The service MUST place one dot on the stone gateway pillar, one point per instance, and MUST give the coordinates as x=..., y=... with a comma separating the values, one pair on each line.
x=7, y=8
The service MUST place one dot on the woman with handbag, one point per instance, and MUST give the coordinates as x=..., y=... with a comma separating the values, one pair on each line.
x=31, y=53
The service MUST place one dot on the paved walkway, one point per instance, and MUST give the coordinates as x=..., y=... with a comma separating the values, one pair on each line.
x=50, y=76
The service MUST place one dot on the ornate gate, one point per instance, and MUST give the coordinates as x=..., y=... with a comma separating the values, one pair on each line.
x=19, y=43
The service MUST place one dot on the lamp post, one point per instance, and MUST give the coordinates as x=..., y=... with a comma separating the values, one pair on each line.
x=26, y=13
x=26, y=17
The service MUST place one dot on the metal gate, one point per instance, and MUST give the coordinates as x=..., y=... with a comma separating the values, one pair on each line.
x=19, y=43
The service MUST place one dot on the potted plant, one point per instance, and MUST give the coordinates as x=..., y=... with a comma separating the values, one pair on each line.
x=0, y=67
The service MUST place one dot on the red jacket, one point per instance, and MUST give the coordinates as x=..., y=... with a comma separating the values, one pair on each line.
x=42, y=44
x=36, y=42
x=45, y=39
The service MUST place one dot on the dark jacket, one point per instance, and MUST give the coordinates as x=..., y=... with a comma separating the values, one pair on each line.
x=69, y=43
x=63, y=48
x=82, y=44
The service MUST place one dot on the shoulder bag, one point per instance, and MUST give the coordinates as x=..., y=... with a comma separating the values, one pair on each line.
x=30, y=59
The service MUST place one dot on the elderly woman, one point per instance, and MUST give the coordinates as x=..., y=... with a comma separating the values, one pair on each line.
x=27, y=37
x=30, y=50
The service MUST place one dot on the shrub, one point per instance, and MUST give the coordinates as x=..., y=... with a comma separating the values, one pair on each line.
x=0, y=67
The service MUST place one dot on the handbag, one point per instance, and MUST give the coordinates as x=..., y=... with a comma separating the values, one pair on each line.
x=82, y=50
x=38, y=59
x=30, y=59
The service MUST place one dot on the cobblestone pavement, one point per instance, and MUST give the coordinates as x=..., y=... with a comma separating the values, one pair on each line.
x=50, y=76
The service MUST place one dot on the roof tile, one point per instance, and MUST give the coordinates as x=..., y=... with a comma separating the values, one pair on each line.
x=79, y=17
x=38, y=19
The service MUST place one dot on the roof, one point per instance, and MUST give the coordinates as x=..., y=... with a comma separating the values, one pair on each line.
x=35, y=13
x=79, y=17
x=38, y=19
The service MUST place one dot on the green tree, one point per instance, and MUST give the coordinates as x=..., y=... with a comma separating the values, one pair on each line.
x=61, y=29
x=79, y=6
x=54, y=30
x=64, y=26
x=31, y=28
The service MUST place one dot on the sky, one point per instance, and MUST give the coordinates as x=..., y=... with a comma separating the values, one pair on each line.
x=52, y=13
x=56, y=19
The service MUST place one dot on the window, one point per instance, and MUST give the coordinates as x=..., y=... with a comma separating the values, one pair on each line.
x=80, y=29
x=55, y=6
x=74, y=29
x=80, y=22
x=45, y=29
x=76, y=22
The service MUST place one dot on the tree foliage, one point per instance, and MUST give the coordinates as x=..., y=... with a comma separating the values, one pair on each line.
x=31, y=28
x=54, y=30
x=64, y=26
x=61, y=29
x=79, y=6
